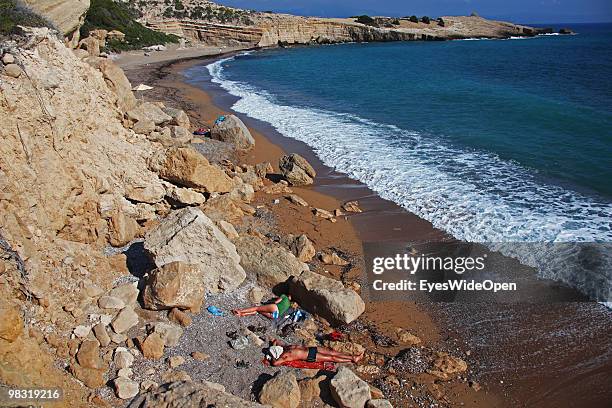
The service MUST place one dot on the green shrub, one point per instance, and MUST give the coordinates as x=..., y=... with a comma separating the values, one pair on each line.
x=13, y=13
x=395, y=22
x=414, y=19
x=426, y=19
x=108, y=15
x=441, y=22
x=367, y=20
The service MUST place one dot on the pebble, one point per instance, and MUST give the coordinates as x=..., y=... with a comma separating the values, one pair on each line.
x=110, y=302
x=175, y=361
x=8, y=59
x=125, y=388
x=199, y=356
x=13, y=70
x=123, y=358
x=82, y=331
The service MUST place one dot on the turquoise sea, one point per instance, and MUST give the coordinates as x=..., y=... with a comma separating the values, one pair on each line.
x=493, y=141
x=490, y=140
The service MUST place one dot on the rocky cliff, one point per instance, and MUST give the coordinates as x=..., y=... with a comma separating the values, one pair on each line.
x=67, y=16
x=204, y=21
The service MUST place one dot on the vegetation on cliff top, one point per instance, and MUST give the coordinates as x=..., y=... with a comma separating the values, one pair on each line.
x=108, y=15
x=13, y=13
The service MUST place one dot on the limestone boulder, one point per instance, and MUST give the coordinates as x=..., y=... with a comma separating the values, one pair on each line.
x=281, y=391
x=296, y=170
x=348, y=390
x=13, y=70
x=125, y=320
x=232, y=130
x=189, y=395
x=188, y=168
x=125, y=388
x=175, y=284
x=270, y=264
x=148, y=111
x=189, y=236
x=303, y=248
x=122, y=229
x=326, y=297
x=169, y=333
x=179, y=117
x=118, y=83
x=88, y=355
x=152, y=346
x=184, y=196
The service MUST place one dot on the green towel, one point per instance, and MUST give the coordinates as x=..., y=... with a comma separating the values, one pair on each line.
x=283, y=305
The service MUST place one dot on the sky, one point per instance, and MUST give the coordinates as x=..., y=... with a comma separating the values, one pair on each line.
x=518, y=11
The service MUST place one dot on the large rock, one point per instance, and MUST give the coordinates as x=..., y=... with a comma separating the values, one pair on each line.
x=348, y=390
x=326, y=297
x=271, y=264
x=296, y=170
x=191, y=237
x=175, y=284
x=281, y=391
x=232, y=130
x=66, y=15
x=188, y=168
x=148, y=111
x=187, y=394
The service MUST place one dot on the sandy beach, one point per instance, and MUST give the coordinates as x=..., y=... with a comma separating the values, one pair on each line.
x=382, y=221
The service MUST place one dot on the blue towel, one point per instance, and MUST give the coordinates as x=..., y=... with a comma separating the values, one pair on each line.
x=214, y=311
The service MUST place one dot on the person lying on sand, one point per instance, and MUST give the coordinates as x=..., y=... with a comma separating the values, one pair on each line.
x=272, y=310
x=280, y=353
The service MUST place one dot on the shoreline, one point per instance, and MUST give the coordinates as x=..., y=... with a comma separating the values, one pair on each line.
x=381, y=221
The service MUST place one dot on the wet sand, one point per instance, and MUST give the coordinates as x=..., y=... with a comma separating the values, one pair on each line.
x=492, y=354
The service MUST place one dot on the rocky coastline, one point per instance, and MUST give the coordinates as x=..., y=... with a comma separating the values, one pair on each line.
x=119, y=229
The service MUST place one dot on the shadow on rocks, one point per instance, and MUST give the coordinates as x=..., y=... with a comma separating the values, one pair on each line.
x=259, y=383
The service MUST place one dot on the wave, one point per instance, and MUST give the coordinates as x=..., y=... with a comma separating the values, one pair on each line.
x=473, y=195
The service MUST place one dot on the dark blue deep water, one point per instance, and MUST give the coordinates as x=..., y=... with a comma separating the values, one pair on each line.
x=491, y=140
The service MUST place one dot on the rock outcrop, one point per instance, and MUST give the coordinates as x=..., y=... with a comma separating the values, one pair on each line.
x=67, y=16
x=189, y=395
x=326, y=297
x=191, y=237
x=256, y=29
x=232, y=130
